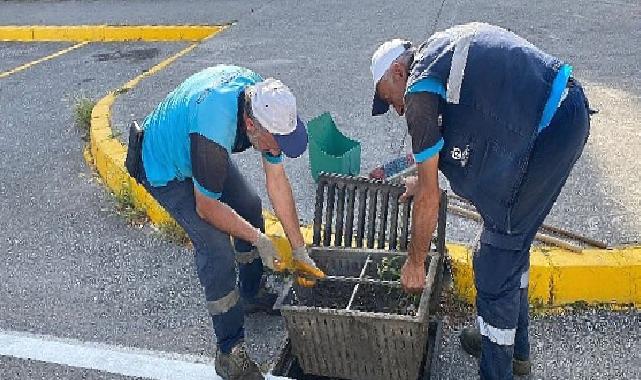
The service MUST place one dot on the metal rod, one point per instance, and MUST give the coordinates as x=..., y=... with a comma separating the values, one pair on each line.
x=553, y=229
x=360, y=227
x=361, y=281
x=405, y=218
x=329, y=213
x=349, y=215
x=360, y=277
x=539, y=236
x=461, y=211
x=318, y=212
x=573, y=235
x=383, y=225
x=340, y=207
x=371, y=217
x=393, y=228
x=558, y=242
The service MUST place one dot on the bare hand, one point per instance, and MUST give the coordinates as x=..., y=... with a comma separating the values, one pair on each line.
x=413, y=273
x=411, y=185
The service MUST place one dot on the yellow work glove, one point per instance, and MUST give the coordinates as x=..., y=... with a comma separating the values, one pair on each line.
x=267, y=251
x=303, y=264
x=305, y=282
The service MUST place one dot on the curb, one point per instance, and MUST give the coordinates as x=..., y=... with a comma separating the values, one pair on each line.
x=560, y=277
x=107, y=33
x=557, y=276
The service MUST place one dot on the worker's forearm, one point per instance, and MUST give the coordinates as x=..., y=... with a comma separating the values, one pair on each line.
x=424, y=216
x=225, y=219
x=282, y=199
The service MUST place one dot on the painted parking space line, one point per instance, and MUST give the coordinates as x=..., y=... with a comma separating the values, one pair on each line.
x=43, y=59
x=119, y=360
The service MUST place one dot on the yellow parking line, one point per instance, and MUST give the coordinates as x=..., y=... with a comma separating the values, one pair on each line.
x=108, y=33
x=43, y=59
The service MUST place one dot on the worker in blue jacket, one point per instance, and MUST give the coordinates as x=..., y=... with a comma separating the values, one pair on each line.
x=184, y=160
x=504, y=122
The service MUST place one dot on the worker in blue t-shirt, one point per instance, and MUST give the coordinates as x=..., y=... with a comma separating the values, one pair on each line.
x=185, y=163
x=504, y=122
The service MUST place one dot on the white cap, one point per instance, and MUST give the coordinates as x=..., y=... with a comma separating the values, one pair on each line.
x=274, y=106
x=385, y=55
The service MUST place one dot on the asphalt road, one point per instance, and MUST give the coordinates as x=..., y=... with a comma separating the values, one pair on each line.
x=73, y=268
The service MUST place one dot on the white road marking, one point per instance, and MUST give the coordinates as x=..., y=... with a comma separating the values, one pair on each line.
x=120, y=360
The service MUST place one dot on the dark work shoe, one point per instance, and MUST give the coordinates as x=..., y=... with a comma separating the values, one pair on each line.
x=471, y=341
x=237, y=365
x=521, y=367
x=262, y=303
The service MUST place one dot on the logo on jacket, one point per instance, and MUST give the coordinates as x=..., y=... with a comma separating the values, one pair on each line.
x=461, y=155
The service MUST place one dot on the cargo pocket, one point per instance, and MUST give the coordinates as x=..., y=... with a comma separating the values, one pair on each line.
x=499, y=175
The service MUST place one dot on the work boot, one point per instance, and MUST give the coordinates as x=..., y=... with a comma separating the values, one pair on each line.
x=471, y=342
x=237, y=365
x=470, y=339
x=263, y=302
x=521, y=367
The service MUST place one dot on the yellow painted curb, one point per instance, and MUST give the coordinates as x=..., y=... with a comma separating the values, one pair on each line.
x=107, y=33
x=559, y=277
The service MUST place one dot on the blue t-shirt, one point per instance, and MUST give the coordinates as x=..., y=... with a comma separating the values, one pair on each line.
x=433, y=142
x=198, y=124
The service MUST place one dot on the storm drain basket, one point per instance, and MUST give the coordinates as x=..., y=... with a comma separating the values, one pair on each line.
x=357, y=324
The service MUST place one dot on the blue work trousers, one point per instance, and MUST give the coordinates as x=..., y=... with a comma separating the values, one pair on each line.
x=501, y=259
x=228, y=274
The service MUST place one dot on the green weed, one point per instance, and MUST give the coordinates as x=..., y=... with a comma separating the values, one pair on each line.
x=82, y=115
x=174, y=233
x=126, y=208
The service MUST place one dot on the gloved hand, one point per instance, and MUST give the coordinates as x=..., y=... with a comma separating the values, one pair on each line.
x=304, y=264
x=267, y=251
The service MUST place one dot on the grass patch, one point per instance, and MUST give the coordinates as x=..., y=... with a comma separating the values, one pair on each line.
x=137, y=217
x=82, y=115
x=174, y=233
x=126, y=208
